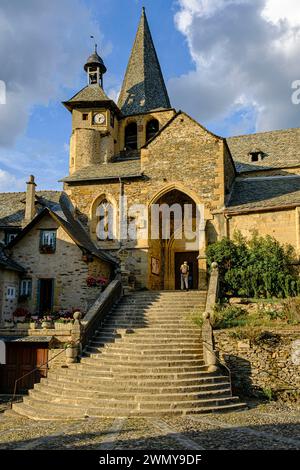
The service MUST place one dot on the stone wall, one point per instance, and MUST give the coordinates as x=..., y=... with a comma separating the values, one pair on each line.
x=7, y=306
x=282, y=225
x=256, y=367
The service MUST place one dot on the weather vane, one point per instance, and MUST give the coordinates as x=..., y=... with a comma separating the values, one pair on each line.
x=92, y=37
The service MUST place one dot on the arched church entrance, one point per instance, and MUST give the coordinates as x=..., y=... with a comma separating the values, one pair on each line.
x=177, y=234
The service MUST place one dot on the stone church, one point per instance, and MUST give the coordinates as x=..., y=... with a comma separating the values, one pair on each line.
x=144, y=149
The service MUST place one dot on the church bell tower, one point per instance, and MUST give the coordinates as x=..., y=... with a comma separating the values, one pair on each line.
x=94, y=119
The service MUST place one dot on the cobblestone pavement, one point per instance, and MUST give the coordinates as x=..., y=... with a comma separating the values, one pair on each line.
x=267, y=426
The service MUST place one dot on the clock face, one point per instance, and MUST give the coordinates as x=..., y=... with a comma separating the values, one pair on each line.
x=99, y=118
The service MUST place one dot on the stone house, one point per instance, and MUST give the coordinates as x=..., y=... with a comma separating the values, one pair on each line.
x=45, y=268
x=143, y=149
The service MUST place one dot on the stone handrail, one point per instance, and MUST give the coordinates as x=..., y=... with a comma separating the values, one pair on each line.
x=84, y=330
x=209, y=354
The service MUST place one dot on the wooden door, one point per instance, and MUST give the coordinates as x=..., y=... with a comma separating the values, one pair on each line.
x=22, y=358
x=46, y=287
x=191, y=258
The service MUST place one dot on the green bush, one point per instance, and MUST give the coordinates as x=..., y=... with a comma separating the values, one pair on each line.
x=257, y=268
x=229, y=317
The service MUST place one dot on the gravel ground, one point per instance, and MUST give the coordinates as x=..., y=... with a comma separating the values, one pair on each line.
x=268, y=426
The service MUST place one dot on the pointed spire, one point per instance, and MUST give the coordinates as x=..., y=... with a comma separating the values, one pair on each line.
x=143, y=88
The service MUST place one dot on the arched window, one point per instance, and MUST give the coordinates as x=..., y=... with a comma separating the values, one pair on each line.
x=152, y=129
x=131, y=136
x=105, y=220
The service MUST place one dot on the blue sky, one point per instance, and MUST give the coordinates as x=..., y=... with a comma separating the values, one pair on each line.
x=232, y=79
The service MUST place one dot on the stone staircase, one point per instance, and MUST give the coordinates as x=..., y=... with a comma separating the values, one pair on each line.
x=146, y=360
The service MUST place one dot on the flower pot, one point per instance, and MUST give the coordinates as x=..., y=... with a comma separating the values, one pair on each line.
x=47, y=325
x=20, y=319
x=62, y=326
x=23, y=326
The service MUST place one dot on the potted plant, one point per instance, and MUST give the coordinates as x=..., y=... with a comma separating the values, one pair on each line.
x=91, y=281
x=8, y=323
x=101, y=282
x=62, y=323
x=47, y=322
x=25, y=325
x=20, y=314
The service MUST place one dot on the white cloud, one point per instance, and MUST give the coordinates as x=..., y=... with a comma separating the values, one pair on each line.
x=277, y=10
x=9, y=183
x=43, y=48
x=246, y=56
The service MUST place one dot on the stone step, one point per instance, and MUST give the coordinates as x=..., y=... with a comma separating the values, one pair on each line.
x=89, y=372
x=113, y=367
x=122, y=329
x=67, y=387
x=138, y=340
x=150, y=348
x=145, y=360
x=143, y=363
x=146, y=334
x=147, y=382
x=158, y=310
x=58, y=413
x=141, y=355
x=104, y=398
x=109, y=404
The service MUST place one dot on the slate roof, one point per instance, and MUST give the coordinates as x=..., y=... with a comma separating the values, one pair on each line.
x=281, y=149
x=143, y=89
x=129, y=168
x=95, y=60
x=258, y=193
x=63, y=213
x=7, y=263
x=91, y=94
x=12, y=206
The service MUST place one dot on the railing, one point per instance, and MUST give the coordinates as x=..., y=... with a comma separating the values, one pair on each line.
x=207, y=331
x=31, y=372
x=101, y=308
x=217, y=359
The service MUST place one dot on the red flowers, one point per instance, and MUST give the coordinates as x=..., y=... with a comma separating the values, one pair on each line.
x=21, y=312
x=96, y=282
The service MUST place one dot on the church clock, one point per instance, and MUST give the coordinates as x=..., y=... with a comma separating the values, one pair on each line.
x=99, y=118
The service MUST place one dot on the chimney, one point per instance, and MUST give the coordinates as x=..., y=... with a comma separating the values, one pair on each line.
x=30, y=210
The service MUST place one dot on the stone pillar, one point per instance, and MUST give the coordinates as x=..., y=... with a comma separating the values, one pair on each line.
x=30, y=209
x=74, y=350
x=124, y=273
x=202, y=272
x=298, y=228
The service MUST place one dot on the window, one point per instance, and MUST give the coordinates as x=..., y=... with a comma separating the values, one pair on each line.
x=9, y=236
x=85, y=117
x=257, y=156
x=152, y=128
x=105, y=221
x=48, y=241
x=131, y=136
x=112, y=119
x=25, y=288
x=10, y=293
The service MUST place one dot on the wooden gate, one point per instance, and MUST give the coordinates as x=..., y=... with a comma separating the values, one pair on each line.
x=22, y=358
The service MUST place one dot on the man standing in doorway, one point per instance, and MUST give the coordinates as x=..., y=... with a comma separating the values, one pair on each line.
x=184, y=270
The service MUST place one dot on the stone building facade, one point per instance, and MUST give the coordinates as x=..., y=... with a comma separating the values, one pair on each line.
x=145, y=150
